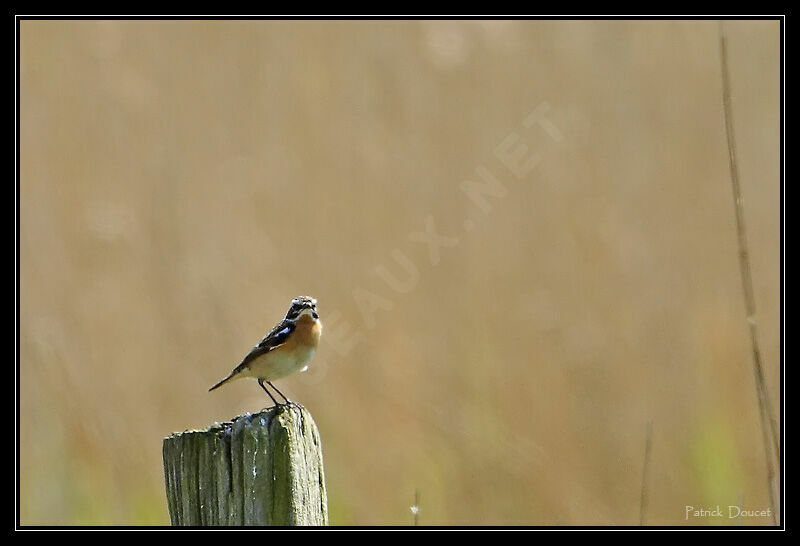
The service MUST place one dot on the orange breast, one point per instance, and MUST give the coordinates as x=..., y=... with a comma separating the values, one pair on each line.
x=306, y=334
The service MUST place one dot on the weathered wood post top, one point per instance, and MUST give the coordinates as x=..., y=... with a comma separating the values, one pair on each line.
x=258, y=469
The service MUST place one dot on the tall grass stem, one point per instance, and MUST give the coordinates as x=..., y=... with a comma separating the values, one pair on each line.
x=769, y=427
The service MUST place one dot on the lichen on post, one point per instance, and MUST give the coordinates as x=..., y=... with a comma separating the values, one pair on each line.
x=258, y=469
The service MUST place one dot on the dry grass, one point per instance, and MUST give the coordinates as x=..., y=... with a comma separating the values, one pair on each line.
x=769, y=427
x=180, y=182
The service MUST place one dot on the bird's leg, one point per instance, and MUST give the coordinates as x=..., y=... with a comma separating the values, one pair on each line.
x=279, y=392
x=261, y=383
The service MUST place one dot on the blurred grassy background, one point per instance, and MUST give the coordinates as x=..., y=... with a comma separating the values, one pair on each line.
x=182, y=181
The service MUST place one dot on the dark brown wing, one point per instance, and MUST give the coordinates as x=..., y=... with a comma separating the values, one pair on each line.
x=275, y=338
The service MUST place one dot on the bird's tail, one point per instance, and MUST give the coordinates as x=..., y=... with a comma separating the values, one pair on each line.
x=233, y=375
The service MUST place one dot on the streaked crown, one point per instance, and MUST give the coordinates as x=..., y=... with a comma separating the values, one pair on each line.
x=300, y=304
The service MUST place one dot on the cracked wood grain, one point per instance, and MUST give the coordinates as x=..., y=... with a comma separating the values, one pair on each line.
x=261, y=469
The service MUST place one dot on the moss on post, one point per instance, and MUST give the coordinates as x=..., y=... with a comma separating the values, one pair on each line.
x=259, y=469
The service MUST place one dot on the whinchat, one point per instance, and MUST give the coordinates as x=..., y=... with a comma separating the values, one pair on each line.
x=286, y=349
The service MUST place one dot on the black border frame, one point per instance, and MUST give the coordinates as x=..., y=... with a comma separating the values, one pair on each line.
x=781, y=18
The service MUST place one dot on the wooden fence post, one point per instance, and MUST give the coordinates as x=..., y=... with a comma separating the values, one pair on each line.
x=259, y=469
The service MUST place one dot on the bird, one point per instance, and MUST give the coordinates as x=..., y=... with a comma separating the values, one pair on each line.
x=286, y=349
